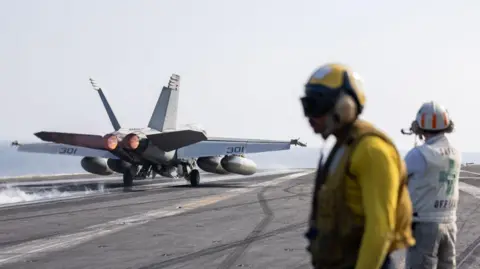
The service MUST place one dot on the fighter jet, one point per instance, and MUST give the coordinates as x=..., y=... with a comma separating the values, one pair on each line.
x=161, y=148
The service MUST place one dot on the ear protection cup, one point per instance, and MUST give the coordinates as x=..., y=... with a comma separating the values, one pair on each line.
x=344, y=112
x=345, y=109
x=416, y=129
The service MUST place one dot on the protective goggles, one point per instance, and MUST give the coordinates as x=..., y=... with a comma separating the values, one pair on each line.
x=317, y=103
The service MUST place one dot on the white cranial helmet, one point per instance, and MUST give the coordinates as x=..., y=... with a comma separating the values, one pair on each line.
x=433, y=117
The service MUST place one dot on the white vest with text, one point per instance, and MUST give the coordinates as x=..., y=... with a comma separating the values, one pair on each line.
x=435, y=194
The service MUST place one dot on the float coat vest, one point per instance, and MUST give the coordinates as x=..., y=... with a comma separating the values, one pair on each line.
x=435, y=193
x=337, y=231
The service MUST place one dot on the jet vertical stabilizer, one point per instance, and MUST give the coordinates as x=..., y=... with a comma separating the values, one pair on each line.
x=109, y=110
x=164, y=116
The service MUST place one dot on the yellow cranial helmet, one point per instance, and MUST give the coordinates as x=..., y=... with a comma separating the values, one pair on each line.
x=325, y=91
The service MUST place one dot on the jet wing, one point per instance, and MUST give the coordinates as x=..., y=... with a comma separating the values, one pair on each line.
x=62, y=149
x=82, y=140
x=217, y=146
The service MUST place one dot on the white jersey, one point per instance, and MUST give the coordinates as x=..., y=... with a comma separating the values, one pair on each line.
x=434, y=170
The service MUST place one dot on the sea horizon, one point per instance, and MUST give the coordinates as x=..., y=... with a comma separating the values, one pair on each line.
x=15, y=164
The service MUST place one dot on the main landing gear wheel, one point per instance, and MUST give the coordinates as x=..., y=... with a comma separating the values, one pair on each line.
x=194, y=177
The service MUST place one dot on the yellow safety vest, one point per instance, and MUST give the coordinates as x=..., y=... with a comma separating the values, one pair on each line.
x=338, y=230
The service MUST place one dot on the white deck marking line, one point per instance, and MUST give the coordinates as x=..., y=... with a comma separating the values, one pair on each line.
x=468, y=172
x=56, y=243
x=470, y=177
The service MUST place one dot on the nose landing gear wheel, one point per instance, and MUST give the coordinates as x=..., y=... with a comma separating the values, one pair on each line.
x=194, y=177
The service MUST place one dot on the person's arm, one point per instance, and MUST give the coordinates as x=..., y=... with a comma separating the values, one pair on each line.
x=415, y=163
x=374, y=163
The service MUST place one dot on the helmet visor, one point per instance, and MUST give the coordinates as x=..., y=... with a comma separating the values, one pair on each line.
x=319, y=103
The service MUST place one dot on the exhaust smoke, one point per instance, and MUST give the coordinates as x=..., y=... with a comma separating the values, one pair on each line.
x=11, y=194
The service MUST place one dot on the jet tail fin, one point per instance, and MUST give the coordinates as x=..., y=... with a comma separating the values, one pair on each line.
x=164, y=116
x=109, y=110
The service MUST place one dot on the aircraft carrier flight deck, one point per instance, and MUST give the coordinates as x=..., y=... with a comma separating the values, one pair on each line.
x=226, y=222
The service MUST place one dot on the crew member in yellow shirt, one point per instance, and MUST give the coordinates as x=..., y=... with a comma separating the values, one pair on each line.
x=361, y=209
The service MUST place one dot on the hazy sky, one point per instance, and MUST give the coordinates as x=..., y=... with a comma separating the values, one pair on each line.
x=242, y=63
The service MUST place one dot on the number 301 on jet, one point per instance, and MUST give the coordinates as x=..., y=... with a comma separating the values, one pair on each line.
x=68, y=151
x=231, y=150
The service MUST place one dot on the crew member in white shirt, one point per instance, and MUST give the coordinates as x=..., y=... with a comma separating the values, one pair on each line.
x=433, y=171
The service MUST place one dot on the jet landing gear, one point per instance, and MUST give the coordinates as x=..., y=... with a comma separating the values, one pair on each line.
x=188, y=171
x=193, y=177
x=133, y=173
x=144, y=172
